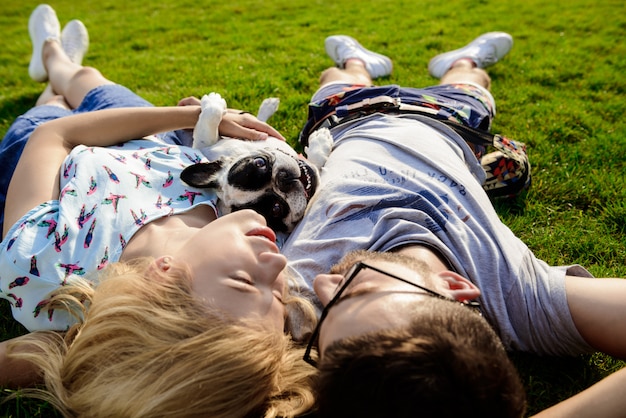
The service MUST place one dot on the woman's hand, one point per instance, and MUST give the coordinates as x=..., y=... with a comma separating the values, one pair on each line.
x=189, y=101
x=238, y=124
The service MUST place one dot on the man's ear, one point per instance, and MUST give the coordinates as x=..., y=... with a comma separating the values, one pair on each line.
x=202, y=175
x=459, y=287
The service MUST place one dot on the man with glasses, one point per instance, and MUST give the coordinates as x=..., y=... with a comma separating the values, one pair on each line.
x=410, y=358
x=400, y=335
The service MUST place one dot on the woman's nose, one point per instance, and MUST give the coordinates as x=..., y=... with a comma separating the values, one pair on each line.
x=271, y=267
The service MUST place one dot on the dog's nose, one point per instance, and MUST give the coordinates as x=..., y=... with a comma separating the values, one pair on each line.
x=286, y=180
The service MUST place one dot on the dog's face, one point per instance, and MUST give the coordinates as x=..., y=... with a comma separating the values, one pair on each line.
x=260, y=175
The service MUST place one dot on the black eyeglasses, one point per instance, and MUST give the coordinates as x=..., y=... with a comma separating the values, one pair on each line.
x=352, y=273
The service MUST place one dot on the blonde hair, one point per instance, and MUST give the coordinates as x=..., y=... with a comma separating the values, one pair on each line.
x=146, y=347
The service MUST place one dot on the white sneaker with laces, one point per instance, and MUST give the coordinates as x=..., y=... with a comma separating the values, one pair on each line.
x=43, y=24
x=75, y=41
x=341, y=48
x=485, y=50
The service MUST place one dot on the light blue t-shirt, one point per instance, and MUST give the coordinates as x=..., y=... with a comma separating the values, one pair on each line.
x=397, y=180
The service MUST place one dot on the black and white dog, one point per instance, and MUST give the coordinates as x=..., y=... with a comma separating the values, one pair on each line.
x=266, y=176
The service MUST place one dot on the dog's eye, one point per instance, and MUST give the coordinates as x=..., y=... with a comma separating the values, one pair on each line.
x=260, y=162
x=277, y=210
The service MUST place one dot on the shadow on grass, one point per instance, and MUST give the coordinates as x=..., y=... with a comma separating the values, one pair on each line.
x=12, y=107
x=548, y=380
x=19, y=406
x=511, y=206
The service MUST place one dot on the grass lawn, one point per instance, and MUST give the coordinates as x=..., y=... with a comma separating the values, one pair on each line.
x=561, y=89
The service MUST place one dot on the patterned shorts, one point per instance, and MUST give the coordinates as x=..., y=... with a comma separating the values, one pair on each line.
x=470, y=103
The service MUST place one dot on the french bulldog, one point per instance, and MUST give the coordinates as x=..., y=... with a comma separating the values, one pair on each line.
x=267, y=176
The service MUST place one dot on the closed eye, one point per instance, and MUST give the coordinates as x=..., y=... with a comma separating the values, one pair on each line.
x=243, y=280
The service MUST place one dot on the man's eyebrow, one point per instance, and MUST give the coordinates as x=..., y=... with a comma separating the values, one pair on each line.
x=356, y=293
x=376, y=289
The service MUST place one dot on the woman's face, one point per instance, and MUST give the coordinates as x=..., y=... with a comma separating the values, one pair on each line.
x=236, y=267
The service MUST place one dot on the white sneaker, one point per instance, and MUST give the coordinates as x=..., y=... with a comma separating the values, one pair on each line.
x=341, y=48
x=42, y=25
x=75, y=41
x=485, y=50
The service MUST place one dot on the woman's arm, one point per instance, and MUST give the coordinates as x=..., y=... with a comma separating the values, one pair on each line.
x=113, y=126
x=35, y=179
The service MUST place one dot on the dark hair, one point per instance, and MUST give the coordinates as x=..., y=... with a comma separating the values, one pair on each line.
x=447, y=362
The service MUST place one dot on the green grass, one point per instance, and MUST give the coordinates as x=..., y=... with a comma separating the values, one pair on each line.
x=561, y=89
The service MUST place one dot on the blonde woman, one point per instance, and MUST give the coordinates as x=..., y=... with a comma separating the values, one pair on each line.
x=166, y=309
x=148, y=347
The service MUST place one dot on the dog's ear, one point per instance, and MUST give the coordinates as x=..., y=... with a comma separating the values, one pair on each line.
x=202, y=175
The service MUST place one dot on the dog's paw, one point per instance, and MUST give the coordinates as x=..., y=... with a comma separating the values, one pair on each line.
x=213, y=101
x=320, y=147
x=268, y=108
x=206, y=132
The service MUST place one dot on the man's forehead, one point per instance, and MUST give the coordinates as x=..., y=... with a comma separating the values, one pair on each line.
x=378, y=259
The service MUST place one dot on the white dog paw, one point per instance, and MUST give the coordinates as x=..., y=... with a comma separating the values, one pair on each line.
x=213, y=101
x=206, y=132
x=320, y=147
x=268, y=108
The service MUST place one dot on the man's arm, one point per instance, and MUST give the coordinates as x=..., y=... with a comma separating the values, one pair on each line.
x=598, y=309
x=604, y=399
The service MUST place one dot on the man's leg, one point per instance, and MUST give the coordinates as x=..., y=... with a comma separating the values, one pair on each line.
x=353, y=73
x=465, y=70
